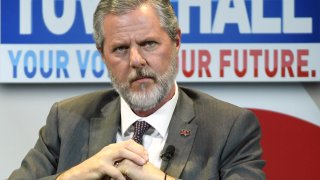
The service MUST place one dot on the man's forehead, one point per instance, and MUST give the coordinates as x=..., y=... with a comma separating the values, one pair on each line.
x=139, y=20
x=143, y=11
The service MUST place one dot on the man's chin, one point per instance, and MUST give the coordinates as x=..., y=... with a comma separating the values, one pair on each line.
x=141, y=93
x=141, y=101
x=142, y=87
x=142, y=108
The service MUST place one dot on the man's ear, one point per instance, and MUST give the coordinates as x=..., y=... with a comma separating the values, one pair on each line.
x=178, y=39
x=100, y=49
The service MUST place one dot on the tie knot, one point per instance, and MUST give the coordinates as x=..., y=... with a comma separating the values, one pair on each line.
x=140, y=127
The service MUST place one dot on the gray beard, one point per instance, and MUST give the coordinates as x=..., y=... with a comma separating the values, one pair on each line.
x=144, y=99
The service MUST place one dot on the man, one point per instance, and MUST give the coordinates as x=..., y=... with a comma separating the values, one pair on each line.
x=89, y=137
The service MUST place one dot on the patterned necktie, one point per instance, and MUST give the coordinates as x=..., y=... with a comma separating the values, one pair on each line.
x=140, y=127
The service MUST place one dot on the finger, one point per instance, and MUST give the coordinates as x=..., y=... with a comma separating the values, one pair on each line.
x=124, y=153
x=126, y=166
x=136, y=148
x=134, y=171
x=128, y=150
x=124, y=150
x=114, y=173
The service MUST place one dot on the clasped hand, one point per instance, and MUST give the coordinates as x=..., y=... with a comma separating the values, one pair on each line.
x=119, y=161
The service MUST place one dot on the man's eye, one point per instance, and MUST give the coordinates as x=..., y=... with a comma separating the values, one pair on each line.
x=120, y=49
x=149, y=44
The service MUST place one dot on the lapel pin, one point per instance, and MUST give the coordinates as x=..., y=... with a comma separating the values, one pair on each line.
x=184, y=132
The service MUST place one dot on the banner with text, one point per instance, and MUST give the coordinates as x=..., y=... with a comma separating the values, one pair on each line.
x=222, y=41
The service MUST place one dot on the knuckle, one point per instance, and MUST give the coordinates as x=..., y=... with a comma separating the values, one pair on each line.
x=127, y=143
x=121, y=152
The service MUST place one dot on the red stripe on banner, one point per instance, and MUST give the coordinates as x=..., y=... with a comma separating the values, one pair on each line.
x=291, y=146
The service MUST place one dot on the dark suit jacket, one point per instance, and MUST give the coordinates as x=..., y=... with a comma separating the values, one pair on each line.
x=223, y=141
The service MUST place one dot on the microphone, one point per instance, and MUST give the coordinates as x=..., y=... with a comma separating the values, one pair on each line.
x=169, y=153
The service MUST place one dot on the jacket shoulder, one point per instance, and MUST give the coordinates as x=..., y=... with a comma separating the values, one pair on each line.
x=90, y=103
x=213, y=112
x=206, y=101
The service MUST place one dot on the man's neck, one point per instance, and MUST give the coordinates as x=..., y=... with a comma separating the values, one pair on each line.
x=159, y=105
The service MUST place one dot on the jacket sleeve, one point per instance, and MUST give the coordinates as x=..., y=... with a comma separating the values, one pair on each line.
x=241, y=157
x=42, y=160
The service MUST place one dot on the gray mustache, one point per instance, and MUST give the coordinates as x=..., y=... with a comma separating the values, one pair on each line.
x=141, y=73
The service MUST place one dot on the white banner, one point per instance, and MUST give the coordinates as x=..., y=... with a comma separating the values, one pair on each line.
x=197, y=63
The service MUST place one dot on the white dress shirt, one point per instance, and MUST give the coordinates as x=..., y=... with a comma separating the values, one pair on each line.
x=155, y=138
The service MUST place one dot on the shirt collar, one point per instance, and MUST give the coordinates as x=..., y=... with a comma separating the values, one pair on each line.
x=159, y=120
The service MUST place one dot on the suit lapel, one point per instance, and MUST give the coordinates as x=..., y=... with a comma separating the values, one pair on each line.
x=181, y=120
x=103, y=129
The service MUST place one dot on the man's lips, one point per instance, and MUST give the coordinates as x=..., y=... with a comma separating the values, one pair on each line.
x=141, y=78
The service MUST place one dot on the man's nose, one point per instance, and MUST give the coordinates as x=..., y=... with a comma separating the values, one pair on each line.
x=136, y=60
